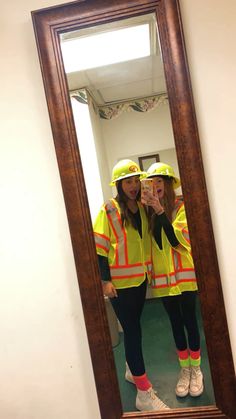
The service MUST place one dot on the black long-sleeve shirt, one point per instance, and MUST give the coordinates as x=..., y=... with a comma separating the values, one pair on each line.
x=161, y=221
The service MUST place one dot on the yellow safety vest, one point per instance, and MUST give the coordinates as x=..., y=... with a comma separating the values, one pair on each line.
x=173, y=268
x=129, y=255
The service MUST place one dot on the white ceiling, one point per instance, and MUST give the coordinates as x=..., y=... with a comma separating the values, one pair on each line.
x=123, y=81
x=126, y=80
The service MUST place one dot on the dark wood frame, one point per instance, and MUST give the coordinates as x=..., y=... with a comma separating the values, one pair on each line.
x=151, y=156
x=48, y=24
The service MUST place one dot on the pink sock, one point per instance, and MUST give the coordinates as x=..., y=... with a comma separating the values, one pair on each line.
x=142, y=382
x=184, y=361
x=183, y=354
x=195, y=354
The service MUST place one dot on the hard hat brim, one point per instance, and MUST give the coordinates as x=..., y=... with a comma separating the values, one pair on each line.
x=176, y=183
x=140, y=174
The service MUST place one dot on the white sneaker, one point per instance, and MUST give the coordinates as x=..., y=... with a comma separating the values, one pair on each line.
x=128, y=374
x=196, y=382
x=147, y=400
x=182, y=386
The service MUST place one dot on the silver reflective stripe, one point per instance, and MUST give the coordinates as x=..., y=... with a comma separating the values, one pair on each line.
x=126, y=271
x=185, y=275
x=149, y=266
x=174, y=278
x=178, y=204
x=186, y=235
x=176, y=260
x=101, y=241
x=160, y=281
x=119, y=231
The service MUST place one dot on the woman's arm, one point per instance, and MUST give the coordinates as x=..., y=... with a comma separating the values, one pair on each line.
x=108, y=288
x=104, y=268
x=161, y=221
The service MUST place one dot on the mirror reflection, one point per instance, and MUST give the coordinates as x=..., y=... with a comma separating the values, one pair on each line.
x=123, y=125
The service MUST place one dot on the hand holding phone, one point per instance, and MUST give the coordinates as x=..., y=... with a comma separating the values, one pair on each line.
x=146, y=190
x=149, y=196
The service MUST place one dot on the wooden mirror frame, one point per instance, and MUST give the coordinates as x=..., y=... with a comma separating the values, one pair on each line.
x=49, y=24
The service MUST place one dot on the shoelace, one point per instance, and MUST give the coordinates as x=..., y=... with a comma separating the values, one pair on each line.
x=196, y=375
x=152, y=393
x=153, y=396
x=184, y=377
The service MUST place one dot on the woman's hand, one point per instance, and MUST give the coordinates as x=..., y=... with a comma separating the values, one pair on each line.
x=152, y=200
x=109, y=289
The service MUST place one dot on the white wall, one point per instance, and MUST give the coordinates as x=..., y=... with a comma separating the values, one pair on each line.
x=210, y=32
x=44, y=358
x=45, y=364
x=92, y=175
x=137, y=133
x=101, y=153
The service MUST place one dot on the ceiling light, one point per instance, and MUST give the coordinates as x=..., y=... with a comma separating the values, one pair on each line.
x=106, y=48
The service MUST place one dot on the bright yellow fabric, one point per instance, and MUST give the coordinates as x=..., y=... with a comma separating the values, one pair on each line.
x=131, y=272
x=173, y=268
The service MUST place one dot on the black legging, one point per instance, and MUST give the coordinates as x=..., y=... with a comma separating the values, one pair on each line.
x=128, y=307
x=181, y=310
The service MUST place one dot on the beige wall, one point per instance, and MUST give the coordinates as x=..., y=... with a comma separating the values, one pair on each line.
x=210, y=32
x=137, y=133
x=45, y=363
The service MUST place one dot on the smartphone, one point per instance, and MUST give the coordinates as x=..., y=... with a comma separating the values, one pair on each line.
x=146, y=186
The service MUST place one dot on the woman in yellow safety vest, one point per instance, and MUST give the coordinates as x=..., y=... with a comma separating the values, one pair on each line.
x=123, y=244
x=173, y=276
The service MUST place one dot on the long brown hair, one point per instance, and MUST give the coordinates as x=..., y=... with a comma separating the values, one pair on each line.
x=127, y=216
x=168, y=202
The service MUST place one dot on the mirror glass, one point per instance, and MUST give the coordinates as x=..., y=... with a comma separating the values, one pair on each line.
x=121, y=110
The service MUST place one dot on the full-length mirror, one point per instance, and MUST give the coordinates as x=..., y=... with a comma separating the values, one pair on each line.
x=121, y=110
x=139, y=107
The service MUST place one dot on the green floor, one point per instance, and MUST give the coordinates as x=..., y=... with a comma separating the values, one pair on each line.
x=161, y=362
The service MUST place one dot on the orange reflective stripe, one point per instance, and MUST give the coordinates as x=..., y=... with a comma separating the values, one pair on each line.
x=186, y=235
x=102, y=236
x=102, y=241
x=119, y=232
x=129, y=271
x=126, y=271
x=122, y=231
x=99, y=246
x=114, y=231
x=183, y=271
x=185, y=275
x=178, y=205
x=127, y=266
x=177, y=261
x=174, y=259
x=149, y=267
x=126, y=276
